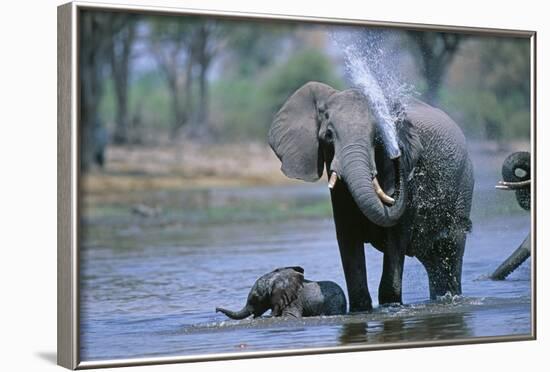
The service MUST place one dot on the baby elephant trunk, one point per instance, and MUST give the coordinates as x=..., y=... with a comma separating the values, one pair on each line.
x=237, y=315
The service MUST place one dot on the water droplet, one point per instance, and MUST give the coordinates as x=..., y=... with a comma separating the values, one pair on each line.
x=372, y=68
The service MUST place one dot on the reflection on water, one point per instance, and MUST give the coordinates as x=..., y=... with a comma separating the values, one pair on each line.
x=150, y=287
x=353, y=333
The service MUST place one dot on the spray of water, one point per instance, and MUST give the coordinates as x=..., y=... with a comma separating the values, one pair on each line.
x=372, y=66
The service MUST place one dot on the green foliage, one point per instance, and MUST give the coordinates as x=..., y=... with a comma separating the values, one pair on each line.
x=258, y=66
x=149, y=103
x=244, y=107
x=107, y=104
x=304, y=66
x=171, y=32
x=237, y=109
x=249, y=51
x=492, y=98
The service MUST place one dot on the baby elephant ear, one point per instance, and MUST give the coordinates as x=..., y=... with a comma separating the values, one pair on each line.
x=286, y=286
x=293, y=135
x=295, y=268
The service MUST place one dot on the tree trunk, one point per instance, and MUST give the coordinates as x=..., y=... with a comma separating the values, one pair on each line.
x=169, y=65
x=436, y=51
x=434, y=77
x=93, y=50
x=120, y=67
x=89, y=118
x=202, y=118
x=179, y=114
x=203, y=59
x=188, y=83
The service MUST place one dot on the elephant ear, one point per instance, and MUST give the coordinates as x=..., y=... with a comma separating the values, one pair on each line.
x=293, y=135
x=286, y=285
x=409, y=141
x=295, y=268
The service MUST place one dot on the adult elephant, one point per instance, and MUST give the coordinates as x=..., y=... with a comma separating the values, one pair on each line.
x=405, y=187
x=516, y=173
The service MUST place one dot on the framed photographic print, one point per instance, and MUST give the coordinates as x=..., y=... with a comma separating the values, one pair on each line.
x=236, y=185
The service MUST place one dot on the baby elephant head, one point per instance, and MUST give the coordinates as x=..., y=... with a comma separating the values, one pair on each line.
x=275, y=290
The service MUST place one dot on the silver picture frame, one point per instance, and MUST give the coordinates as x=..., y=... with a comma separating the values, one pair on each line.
x=68, y=178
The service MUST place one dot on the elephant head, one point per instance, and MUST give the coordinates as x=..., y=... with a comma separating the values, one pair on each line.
x=275, y=290
x=516, y=173
x=319, y=125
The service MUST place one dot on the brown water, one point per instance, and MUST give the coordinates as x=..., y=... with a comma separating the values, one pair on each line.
x=149, y=286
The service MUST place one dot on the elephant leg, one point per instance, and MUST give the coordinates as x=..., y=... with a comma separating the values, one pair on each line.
x=392, y=277
x=444, y=267
x=347, y=219
x=355, y=270
x=295, y=310
x=389, y=290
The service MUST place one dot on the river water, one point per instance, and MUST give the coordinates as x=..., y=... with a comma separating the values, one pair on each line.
x=149, y=287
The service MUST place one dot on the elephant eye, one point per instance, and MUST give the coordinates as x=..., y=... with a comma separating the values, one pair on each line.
x=329, y=136
x=326, y=115
x=520, y=173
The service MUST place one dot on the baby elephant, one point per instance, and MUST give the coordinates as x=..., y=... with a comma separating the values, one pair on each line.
x=287, y=293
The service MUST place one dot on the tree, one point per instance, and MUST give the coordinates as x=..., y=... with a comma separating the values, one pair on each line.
x=505, y=81
x=488, y=90
x=171, y=43
x=248, y=51
x=436, y=51
x=208, y=40
x=94, y=50
x=120, y=53
x=238, y=99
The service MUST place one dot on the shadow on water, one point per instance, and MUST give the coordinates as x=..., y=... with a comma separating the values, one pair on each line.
x=422, y=328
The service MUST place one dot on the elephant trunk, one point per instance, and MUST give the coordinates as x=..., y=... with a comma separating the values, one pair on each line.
x=363, y=186
x=237, y=315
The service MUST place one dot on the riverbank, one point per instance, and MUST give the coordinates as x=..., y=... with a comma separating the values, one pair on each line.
x=184, y=166
x=190, y=165
x=193, y=184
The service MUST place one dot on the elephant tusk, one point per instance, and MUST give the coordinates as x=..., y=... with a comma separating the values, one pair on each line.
x=332, y=180
x=503, y=185
x=381, y=194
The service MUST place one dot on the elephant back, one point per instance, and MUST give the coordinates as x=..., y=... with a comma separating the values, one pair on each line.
x=435, y=126
x=323, y=298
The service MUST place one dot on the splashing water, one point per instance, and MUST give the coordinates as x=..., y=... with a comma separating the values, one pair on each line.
x=362, y=76
x=372, y=67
